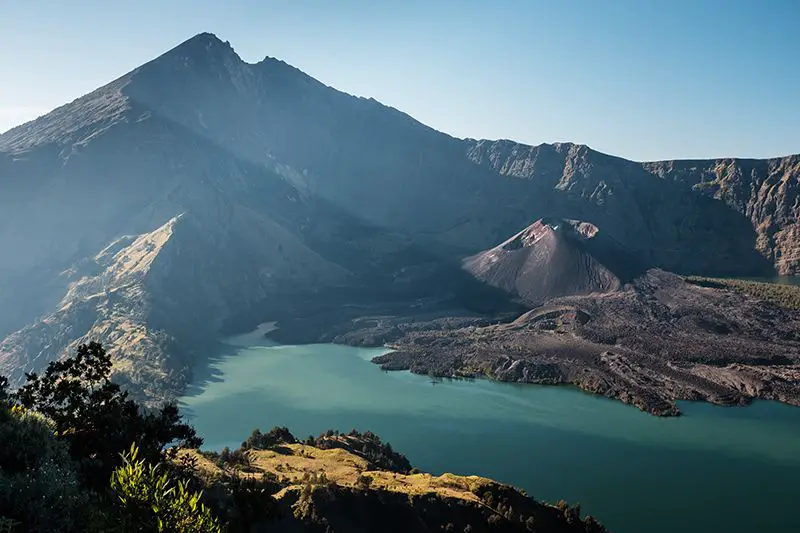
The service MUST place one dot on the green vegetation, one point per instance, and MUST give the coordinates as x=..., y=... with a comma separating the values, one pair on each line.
x=38, y=482
x=783, y=295
x=96, y=419
x=150, y=501
x=263, y=441
x=63, y=462
x=368, y=445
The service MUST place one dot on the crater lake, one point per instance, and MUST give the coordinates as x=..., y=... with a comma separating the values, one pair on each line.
x=726, y=469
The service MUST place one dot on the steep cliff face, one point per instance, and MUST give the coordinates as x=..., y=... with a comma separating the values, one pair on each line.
x=766, y=192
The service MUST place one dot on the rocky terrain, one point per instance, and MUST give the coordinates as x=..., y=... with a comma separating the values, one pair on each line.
x=200, y=194
x=764, y=191
x=657, y=340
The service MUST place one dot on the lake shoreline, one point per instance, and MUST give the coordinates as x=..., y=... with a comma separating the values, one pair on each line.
x=352, y=327
x=546, y=440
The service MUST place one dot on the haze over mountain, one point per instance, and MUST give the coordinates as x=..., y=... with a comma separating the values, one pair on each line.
x=156, y=210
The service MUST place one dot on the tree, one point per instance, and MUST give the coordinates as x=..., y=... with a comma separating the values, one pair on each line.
x=264, y=441
x=146, y=500
x=364, y=481
x=96, y=418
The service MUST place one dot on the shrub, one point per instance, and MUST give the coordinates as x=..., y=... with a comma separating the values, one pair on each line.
x=368, y=445
x=39, y=488
x=236, y=458
x=364, y=481
x=148, y=501
x=245, y=502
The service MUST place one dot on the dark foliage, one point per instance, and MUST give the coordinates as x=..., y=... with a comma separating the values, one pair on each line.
x=515, y=507
x=367, y=445
x=96, y=418
x=244, y=502
x=227, y=458
x=264, y=441
x=39, y=489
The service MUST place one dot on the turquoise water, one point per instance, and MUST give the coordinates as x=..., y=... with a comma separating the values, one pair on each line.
x=727, y=470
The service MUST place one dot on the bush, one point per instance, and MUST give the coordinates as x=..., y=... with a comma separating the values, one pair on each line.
x=235, y=459
x=148, y=501
x=245, y=502
x=364, y=481
x=39, y=488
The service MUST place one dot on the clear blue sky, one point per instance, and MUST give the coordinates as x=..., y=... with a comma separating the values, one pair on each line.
x=638, y=78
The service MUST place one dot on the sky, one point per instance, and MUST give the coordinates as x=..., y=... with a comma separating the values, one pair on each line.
x=642, y=79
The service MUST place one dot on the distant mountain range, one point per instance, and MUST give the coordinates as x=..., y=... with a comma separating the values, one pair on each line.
x=198, y=191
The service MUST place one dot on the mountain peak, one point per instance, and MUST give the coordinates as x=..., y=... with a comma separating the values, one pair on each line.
x=204, y=45
x=206, y=38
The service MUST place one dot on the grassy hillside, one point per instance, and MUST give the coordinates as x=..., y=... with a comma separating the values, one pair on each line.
x=339, y=489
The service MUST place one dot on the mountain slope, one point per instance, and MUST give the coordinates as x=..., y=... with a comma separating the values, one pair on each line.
x=376, y=161
x=254, y=184
x=153, y=298
x=211, y=235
